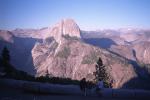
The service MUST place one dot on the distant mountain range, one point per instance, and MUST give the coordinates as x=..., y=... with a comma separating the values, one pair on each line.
x=64, y=50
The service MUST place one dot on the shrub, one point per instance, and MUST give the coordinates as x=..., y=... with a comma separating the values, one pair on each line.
x=64, y=53
x=101, y=74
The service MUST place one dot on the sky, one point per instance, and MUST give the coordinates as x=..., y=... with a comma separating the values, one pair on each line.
x=88, y=14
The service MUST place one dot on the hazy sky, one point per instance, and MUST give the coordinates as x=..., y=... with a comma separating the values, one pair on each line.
x=89, y=14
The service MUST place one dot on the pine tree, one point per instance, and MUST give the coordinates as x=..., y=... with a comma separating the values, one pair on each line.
x=5, y=55
x=101, y=74
x=6, y=60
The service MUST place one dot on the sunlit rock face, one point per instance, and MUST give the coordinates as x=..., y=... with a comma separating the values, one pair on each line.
x=64, y=54
x=142, y=51
x=64, y=27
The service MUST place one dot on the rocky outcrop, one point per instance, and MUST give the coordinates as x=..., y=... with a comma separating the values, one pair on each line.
x=63, y=54
x=64, y=27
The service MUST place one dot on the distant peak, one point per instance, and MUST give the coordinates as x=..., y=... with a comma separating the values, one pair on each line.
x=71, y=28
x=64, y=27
x=68, y=20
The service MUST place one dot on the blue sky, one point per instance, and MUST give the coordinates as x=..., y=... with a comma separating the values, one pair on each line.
x=89, y=14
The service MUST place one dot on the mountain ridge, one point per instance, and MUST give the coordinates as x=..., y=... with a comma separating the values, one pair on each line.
x=62, y=51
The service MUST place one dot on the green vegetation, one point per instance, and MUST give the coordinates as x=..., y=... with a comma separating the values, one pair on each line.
x=56, y=80
x=5, y=65
x=90, y=59
x=64, y=53
x=101, y=74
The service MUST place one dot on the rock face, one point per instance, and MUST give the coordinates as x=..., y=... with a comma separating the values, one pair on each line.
x=142, y=50
x=124, y=51
x=131, y=44
x=137, y=50
x=64, y=27
x=63, y=54
x=128, y=43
